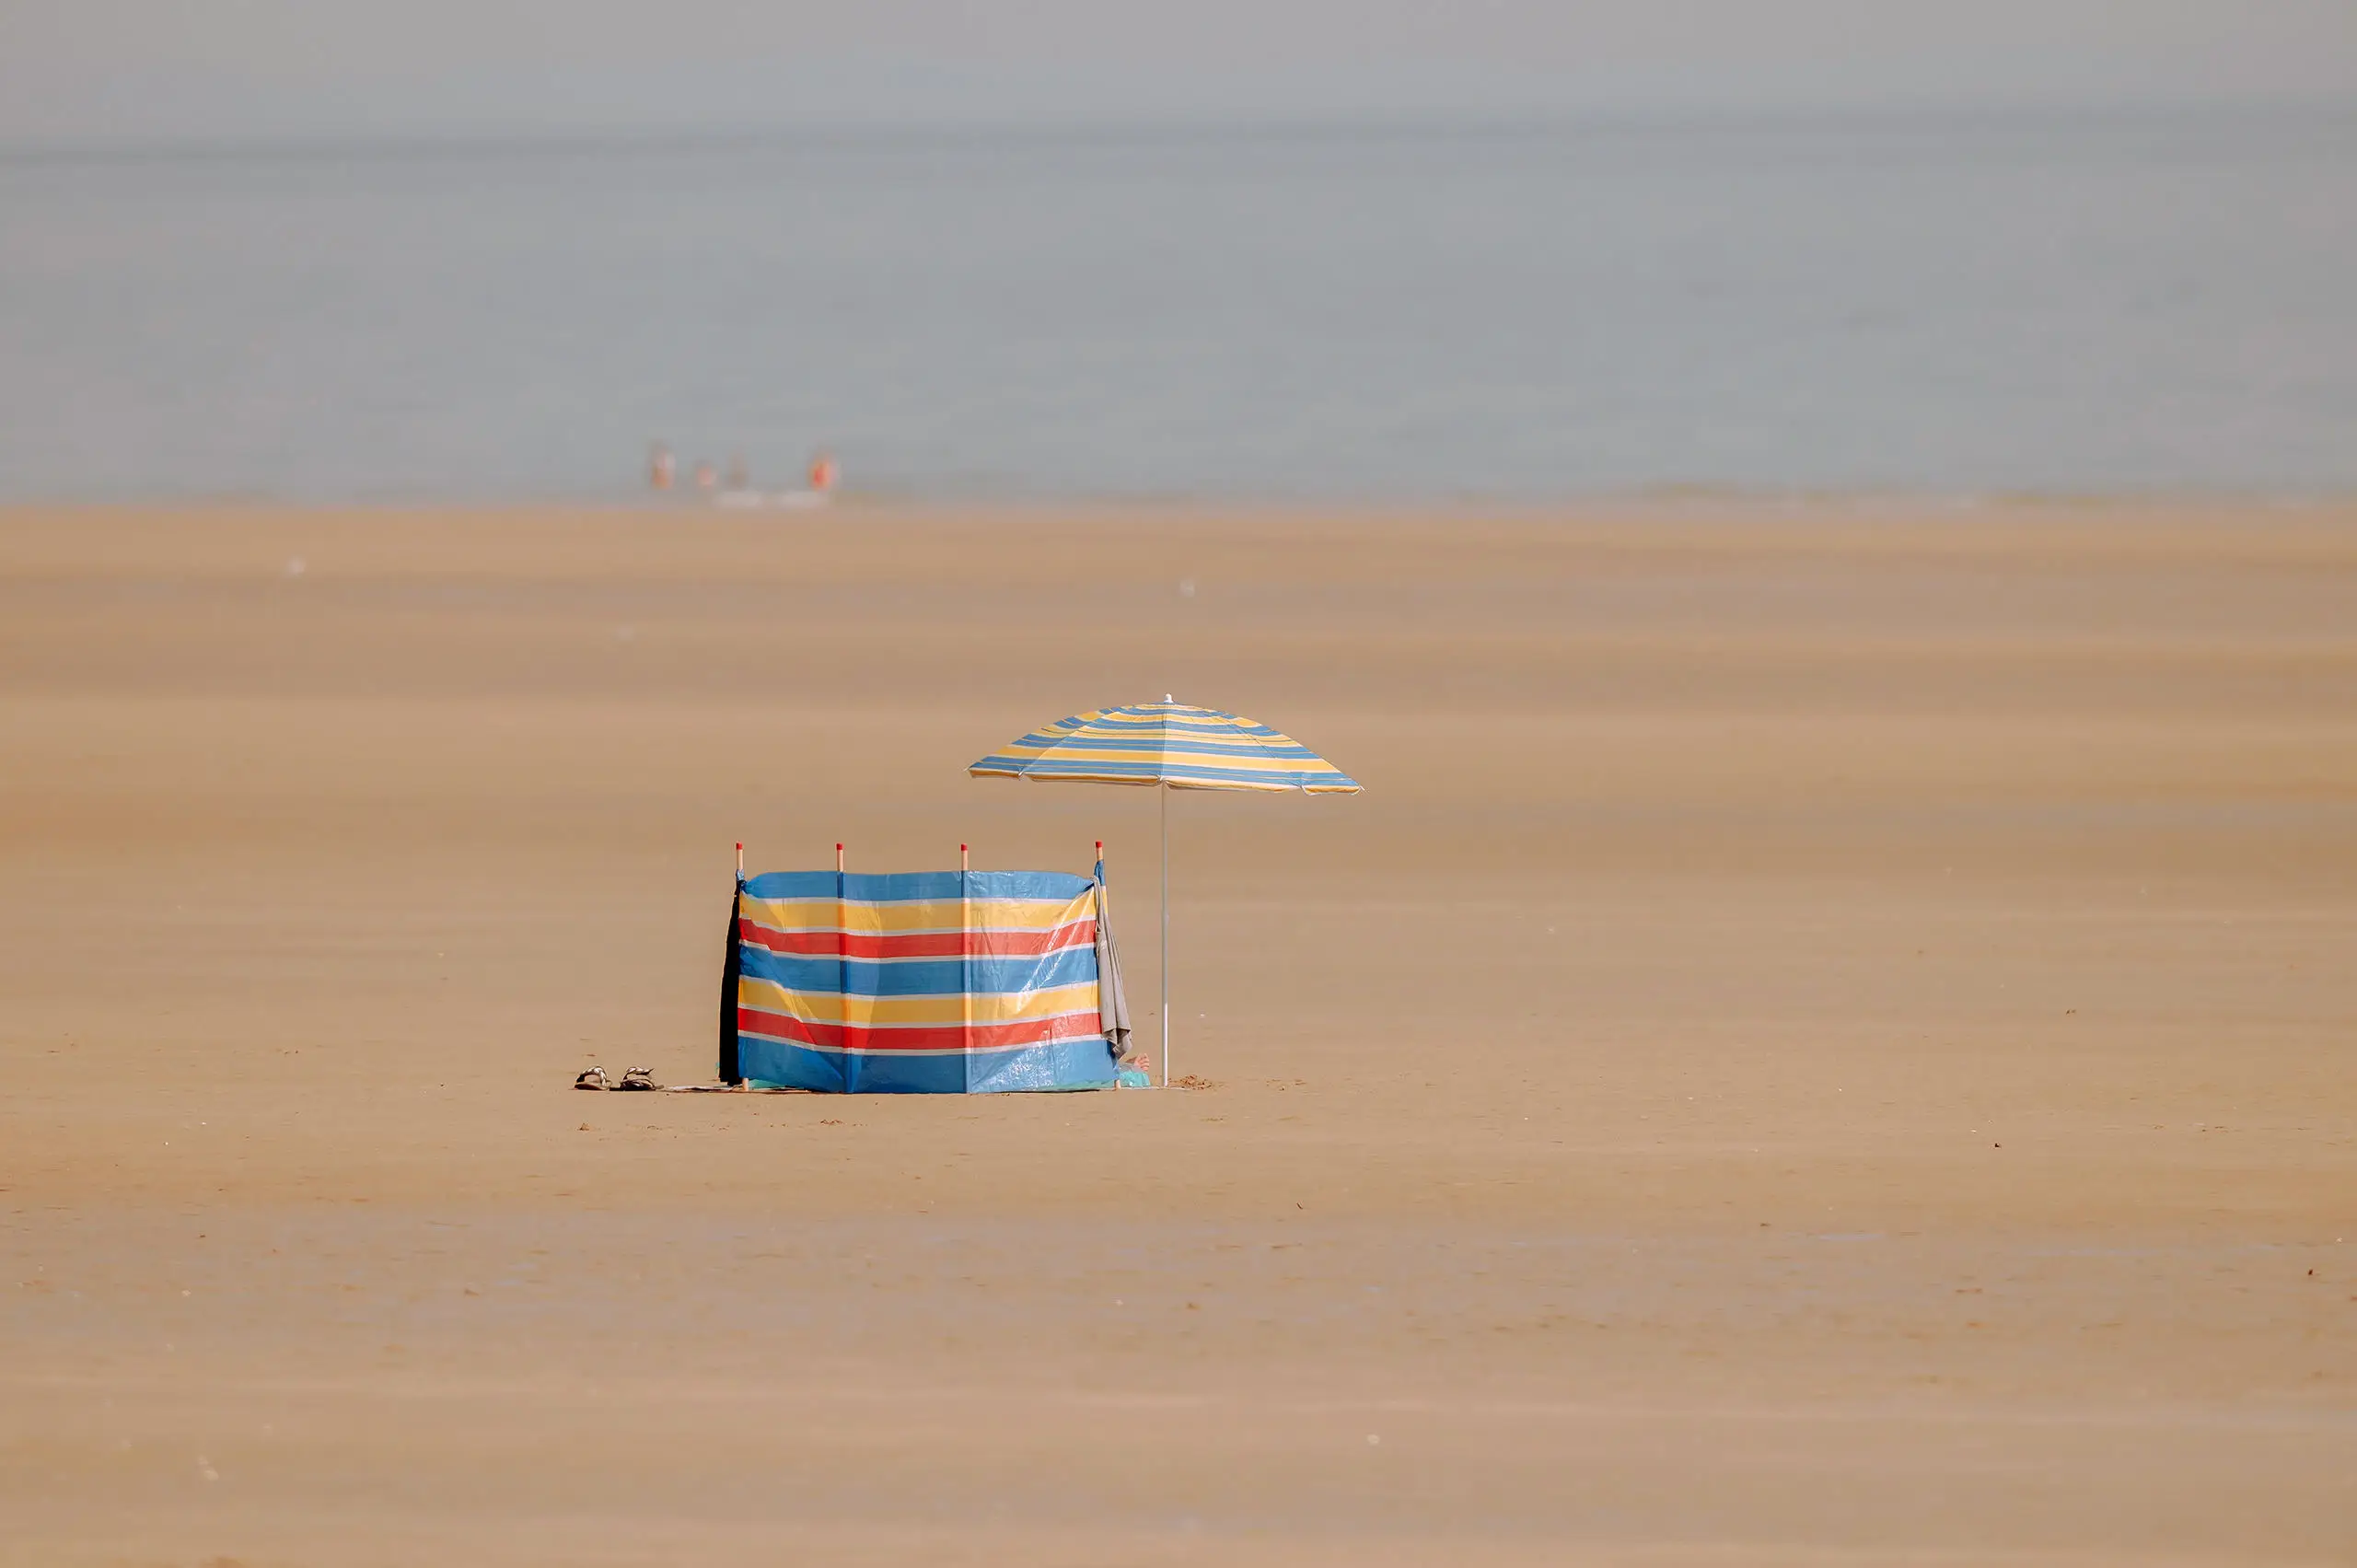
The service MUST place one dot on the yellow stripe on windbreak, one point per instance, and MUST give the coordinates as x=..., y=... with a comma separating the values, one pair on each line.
x=932, y=914
x=826, y=1007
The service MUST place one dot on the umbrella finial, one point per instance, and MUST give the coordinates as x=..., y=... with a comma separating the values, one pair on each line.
x=1169, y=698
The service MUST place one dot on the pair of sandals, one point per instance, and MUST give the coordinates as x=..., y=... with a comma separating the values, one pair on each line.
x=633, y=1079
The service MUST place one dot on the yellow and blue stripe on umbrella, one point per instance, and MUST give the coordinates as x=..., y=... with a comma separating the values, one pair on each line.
x=1170, y=744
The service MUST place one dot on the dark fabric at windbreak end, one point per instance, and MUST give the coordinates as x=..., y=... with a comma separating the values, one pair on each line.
x=730, y=968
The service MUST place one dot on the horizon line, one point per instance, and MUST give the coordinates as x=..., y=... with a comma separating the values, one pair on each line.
x=1016, y=125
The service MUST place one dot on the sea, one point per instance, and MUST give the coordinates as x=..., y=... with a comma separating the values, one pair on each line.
x=2129, y=302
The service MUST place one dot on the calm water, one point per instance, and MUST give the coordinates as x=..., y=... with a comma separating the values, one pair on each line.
x=1929, y=304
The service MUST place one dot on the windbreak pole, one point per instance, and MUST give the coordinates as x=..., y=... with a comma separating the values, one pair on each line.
x=842, y=970
x=966, y=961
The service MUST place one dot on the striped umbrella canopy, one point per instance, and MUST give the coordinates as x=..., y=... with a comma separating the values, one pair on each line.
x=1173, y=746
x=1170, y=744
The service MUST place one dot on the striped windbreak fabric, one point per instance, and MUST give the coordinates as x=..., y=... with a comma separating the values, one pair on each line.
x=919, y=983
x=1166, y=743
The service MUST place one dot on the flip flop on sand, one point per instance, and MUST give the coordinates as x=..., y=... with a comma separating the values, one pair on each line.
x=591, y=1078
x=638, y=1078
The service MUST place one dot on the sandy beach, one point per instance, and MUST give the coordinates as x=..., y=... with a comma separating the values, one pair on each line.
x=1827, y=1040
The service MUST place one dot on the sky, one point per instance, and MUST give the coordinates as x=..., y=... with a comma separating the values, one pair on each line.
x=163, y=70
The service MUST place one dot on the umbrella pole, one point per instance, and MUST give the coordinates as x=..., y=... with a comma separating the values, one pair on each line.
x=1163, y=790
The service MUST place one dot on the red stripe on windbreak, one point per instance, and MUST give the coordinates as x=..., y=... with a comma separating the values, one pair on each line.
x=946, y=1037
x=919, y=945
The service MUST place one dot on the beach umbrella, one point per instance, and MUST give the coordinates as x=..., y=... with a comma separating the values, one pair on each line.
x=1166, y=746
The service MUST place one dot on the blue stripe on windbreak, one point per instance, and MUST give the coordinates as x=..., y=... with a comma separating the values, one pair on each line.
x=916, y=887
x=791, y=885
x=1060, y=885
x=826, y=974
x=782, y=1065
x=1067, y=1064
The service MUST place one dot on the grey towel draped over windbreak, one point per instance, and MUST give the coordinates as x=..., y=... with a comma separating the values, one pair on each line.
x=1112, y=1001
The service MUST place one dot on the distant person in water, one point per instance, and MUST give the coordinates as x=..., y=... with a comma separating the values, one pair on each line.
x=704, y=478
x=822, y=472
x=659, y=467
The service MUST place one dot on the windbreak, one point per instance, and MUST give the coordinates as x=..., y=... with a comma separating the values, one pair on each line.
x=920, y=983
